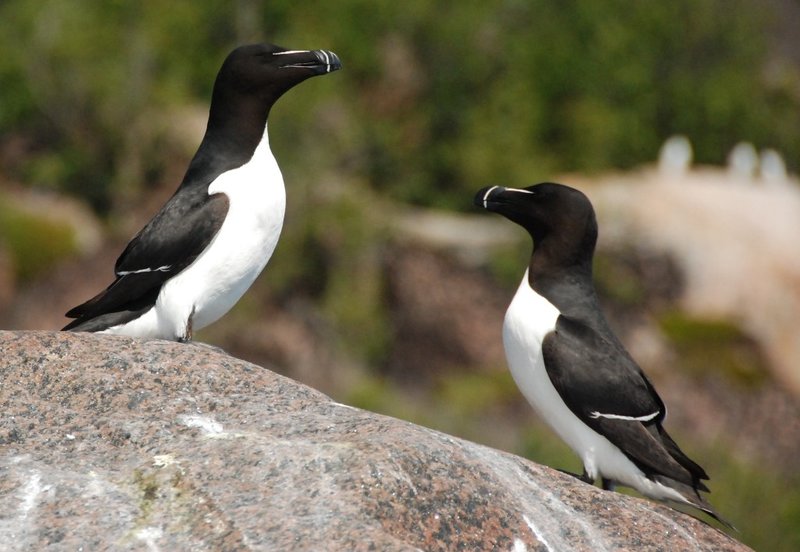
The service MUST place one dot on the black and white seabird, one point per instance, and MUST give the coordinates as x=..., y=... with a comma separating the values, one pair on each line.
x=568, y=363
x=198, y=255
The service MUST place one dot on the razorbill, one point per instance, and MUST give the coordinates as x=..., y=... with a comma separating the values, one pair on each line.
x=198, y=255
x=569, y=364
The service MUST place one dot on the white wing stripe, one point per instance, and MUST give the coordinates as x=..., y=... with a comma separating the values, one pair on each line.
x=164, y=268
x=645, y=418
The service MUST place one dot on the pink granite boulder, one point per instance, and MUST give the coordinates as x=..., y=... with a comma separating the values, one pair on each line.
x=115, y=443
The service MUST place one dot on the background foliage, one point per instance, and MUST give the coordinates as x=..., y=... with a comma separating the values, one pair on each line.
x=438, y=97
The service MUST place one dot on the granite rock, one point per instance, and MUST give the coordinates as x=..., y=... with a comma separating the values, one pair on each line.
x=116, y=443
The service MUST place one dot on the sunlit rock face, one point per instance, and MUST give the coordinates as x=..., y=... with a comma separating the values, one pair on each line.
x=735, y=245
x=114, y=443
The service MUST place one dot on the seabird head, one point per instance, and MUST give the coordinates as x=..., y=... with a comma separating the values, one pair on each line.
x=263, y=72
x=545, y=210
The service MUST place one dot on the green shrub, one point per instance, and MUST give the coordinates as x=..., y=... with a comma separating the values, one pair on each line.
x=35, y=243
x=715, y=347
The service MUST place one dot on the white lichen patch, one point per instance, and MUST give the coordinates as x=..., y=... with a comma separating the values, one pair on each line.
x=30, y=494
x=149, y=535
x=209, y=426
x=164, y=460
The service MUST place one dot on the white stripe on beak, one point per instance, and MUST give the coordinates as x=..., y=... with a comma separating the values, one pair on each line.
x=289, y=52
x=486, y=196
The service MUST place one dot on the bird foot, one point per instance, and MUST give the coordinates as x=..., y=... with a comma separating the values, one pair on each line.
x=583, y=477
x=187, y=337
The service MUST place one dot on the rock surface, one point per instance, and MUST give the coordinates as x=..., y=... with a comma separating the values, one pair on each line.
x=114, y=443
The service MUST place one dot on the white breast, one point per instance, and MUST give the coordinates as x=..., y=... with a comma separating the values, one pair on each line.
x=529, y=318
x=236, y=256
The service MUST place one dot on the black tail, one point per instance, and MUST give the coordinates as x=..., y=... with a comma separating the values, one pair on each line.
x=693, y=498
x=110, y=308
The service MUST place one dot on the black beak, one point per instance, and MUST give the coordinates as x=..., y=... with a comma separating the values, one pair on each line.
x=318, y=62
x=328, y=60
x=487, y=197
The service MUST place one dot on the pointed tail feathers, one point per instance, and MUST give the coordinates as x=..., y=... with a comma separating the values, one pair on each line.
x=693, y=498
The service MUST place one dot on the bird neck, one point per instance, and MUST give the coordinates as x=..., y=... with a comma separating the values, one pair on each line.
x=563, y=253
x=563, y=279
x=547, y=276
x=235, y=127
x=232, y=136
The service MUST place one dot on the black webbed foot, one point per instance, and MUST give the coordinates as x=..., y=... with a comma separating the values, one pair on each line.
x=583, y=477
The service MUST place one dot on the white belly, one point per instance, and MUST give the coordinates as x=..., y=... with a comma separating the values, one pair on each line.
x=218, y=278
x=529, y=318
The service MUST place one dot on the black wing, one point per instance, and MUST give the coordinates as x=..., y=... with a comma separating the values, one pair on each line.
x=602, y=385
x=170, y=242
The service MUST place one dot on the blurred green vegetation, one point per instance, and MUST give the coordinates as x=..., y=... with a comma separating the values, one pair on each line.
x=713, y=348
x=764, y=504
x=35, y=243
x=437, y=98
